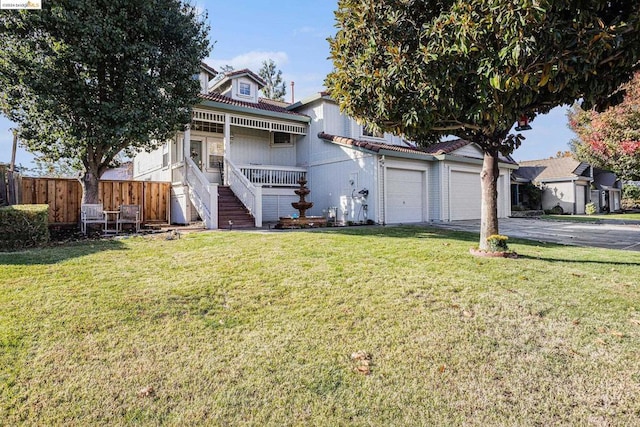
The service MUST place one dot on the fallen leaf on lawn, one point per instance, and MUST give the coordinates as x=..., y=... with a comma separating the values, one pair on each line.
x=147, y=391
x=365, y=370
x=360, y=355
x=442, y=368
x=466, y=313
x=576, y=322
x=635, y=321
x=617, y=334
x=577, y=274
x=600, y=341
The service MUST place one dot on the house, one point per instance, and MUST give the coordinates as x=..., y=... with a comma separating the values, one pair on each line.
x=241, y=146
x=568, y=183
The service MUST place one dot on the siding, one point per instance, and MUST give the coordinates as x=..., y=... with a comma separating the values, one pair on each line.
x=250, y=146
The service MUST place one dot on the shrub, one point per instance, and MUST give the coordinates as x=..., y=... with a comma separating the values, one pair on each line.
x=497, y=243
x=631, y=192
x=557, y=210
x=23, y=226
x=590, y=208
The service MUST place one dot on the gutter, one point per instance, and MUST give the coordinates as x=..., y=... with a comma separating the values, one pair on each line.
x=473, y=161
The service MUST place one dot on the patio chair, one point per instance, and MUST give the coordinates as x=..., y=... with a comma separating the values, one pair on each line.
x=92, y=213
x=129, y=214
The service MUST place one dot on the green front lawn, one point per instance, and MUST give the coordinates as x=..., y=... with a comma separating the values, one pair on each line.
x=594, y=218
x=233, y=328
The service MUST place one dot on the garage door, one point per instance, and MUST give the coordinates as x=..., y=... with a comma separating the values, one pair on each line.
x=580, y=199
x=405, y=196
x=465, y=195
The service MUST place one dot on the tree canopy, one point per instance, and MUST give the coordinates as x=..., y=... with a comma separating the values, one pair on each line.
x=429, y=68
x=275, y=87
x=87, y=79
x=610, y=139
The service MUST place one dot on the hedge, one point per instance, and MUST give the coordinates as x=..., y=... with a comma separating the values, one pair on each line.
x=23, y=226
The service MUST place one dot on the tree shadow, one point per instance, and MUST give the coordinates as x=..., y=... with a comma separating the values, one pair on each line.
x=55, y=253
x=577, y=261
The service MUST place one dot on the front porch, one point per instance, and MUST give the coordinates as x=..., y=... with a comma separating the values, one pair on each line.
x=239, y=152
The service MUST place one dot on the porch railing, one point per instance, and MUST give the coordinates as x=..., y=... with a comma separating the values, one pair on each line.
x=273, y=176
x=203, y=194
x=247, y=192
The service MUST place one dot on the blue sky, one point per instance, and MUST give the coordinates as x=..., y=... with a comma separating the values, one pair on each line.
x=293, y=33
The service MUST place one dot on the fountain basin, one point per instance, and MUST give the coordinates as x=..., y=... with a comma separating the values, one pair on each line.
x=306, y=222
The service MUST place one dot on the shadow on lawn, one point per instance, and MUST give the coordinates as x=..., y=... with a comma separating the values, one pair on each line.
x=55, y=254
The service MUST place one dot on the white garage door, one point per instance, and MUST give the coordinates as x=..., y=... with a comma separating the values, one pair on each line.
x=405, y=196
x=580, y=199
x=465, y=195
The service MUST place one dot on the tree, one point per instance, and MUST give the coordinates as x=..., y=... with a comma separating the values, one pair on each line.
x=275, y=88
x=88, y=79
x=431, y=68
x=610, y=139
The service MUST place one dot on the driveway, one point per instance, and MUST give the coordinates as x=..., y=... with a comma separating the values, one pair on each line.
x=611, y=236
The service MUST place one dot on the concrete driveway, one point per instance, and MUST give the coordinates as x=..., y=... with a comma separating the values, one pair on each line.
x=612, y=236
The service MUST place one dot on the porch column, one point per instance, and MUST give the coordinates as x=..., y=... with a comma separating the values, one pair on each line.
x=227, y=145
x=186, y=149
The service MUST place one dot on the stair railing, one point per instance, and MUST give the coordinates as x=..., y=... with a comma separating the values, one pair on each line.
x=203, y=194
x=248, y=193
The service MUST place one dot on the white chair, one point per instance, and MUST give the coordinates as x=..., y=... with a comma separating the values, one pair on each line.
x=92, y=213
x=129, y=214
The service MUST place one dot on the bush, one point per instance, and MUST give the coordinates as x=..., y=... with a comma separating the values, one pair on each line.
x=556, y=210
x=497, y=243
x=590, y=208
x=631, y=192
x=23, y=226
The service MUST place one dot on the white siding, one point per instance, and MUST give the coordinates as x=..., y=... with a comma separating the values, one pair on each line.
x=250, y=146
x=405, y=191
x=276, y=203
x=558, y=193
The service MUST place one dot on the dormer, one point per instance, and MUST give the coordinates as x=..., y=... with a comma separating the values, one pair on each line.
x=241, y=85
x=206, y=74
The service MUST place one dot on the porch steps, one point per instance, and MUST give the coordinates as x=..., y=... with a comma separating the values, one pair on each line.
x=232, y=209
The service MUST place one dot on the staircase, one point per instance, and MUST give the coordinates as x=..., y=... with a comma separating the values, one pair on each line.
x=232, y=209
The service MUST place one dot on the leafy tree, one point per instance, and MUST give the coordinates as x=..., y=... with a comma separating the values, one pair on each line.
x=428, y=68
x=610, y=139
x=275, y=88
x=88, y=79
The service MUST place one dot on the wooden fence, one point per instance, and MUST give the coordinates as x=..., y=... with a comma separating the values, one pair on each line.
x=9, y=186
x=64, y=197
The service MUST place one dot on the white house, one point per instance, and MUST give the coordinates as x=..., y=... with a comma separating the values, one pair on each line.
x=258, y=150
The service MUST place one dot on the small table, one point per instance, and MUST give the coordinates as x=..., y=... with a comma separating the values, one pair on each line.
x=115, y=215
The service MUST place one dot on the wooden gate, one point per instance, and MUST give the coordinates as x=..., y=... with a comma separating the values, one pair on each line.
x=64, y=197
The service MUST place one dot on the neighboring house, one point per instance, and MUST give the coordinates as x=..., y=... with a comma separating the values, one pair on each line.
x=607, y=191
x=124, y=172
x=568, y=183
x=261, y=148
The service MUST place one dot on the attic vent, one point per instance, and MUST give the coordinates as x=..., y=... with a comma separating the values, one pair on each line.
x=288, y=128
x=205, y=116
x=250, y=123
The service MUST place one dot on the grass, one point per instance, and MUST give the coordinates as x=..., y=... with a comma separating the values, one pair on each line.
x=235, y=328
x=594, y=218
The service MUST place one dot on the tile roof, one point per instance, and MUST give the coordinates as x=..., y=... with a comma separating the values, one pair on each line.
x=445, y=147
x=369, y=145
x=261, y=105
x=557, y=168
x=248, y=72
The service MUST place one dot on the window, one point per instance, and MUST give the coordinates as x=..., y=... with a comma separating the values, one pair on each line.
x=165, y=155
x=366, y=131
x=215, y=161
x=201, y=126
x=245, y=89
x=281, y=139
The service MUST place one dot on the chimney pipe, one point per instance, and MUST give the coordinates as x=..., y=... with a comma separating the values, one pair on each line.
x=292, y=94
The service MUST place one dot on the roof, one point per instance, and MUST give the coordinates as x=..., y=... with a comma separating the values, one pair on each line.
x=428, y=153
x=371, y=146
x=553, y=169
x=604, y=180
x=261, y=105
x=208, y=69
x=246, y=72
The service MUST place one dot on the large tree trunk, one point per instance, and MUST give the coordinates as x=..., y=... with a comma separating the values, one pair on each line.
x=489, y=183
x=89, y=183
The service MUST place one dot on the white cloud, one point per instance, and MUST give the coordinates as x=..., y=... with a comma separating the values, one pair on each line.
x=251, y=60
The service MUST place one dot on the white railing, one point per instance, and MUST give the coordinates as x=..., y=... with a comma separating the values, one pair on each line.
x=273, y=176
x=249, y=194
x=203, y=194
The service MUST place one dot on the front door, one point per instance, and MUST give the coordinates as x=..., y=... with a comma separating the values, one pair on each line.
x=196, y=153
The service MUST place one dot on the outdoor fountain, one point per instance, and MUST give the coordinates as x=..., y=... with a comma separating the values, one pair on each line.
x=302, y=220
